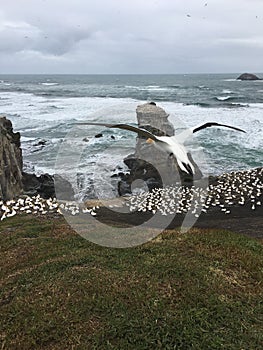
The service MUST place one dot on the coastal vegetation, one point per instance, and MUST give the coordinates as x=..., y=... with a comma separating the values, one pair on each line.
x=199, y=290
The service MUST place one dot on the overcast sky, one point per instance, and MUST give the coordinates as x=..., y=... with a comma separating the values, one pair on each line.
x=131, y=36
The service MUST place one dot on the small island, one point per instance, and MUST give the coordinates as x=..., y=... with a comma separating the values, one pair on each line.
x=248, y=76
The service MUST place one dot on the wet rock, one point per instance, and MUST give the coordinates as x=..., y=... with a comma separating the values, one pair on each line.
x=47, y=186
x=40, y=143
x=98, y=135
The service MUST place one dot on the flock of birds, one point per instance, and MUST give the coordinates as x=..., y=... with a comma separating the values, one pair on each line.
x=230, y=190
x=37, y=205
x=233, y=189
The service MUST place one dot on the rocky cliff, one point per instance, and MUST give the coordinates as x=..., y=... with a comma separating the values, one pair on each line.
x=10, y=161
x=14, y=182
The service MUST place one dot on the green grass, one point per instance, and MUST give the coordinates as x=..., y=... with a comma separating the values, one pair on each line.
x=200, y=290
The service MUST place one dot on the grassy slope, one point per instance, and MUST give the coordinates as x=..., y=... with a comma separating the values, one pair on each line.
x=200, y=290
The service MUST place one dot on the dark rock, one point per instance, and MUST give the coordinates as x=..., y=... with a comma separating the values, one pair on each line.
x=98, y=135
x=121, y=174
x=124, y=188
x=40, y=143
x=11, y=162
x=85, y=139
x=130, y=161
x=112, y=137
x=37, y=149
x=248, y=76
x=47, y=186
x=153, y=183
x=31, y=184
x=64, y=189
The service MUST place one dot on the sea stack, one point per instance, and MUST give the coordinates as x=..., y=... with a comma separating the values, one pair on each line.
x=248, y=76
x=11, y=162
x=148, y=163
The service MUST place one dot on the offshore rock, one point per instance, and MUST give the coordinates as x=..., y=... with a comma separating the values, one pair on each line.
x=153, y=167
x=248, y=76
x=11, y=162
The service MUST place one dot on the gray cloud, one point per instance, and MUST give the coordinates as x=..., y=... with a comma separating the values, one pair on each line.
x=56, y=40
x=115, y=36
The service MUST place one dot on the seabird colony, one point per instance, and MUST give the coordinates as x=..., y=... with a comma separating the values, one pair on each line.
x=167, y=200
x=229, y=190
x=37, y=205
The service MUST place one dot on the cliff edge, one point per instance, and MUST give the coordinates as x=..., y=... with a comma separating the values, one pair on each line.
x=11, y=161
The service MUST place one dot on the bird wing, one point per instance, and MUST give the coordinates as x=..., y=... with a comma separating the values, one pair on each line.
x=166, y=143
x=207, y=125
x=139, y=131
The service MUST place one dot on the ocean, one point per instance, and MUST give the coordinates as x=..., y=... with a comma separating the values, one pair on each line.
x=43, y=109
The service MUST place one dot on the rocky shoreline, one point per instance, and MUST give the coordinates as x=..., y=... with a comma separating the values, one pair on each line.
x=235, y=201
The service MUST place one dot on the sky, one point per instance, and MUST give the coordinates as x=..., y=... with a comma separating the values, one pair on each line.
x=130, y=36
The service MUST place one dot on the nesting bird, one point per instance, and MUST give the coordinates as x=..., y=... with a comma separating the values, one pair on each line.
x=37, y=205
x=229, y=190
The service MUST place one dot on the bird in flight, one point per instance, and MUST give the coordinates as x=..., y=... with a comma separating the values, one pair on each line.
x=169, y=144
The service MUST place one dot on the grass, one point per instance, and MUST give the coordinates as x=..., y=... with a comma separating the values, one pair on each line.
x=200, y=290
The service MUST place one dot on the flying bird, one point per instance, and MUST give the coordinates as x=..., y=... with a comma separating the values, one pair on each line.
x=167, y=144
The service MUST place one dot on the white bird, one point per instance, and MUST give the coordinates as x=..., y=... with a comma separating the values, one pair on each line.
x=168, y=144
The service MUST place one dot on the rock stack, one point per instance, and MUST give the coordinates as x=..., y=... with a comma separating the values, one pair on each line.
x=148, y=163
x=11, y=162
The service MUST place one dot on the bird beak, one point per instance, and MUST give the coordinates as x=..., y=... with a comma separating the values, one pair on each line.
x=149, y=141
